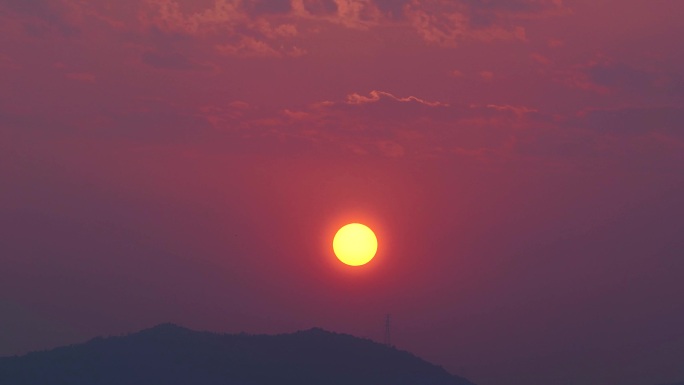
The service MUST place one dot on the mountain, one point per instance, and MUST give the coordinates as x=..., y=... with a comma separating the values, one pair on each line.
x=172, y=355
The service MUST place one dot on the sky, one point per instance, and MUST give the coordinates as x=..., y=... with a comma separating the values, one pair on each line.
x=189, y=161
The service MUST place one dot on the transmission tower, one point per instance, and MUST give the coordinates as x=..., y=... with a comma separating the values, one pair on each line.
x=388, y=342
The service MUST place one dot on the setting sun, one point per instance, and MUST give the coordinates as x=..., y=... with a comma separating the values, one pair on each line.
x=355, y=244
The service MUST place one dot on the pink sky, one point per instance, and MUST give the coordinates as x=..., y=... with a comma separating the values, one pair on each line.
x=522, y=162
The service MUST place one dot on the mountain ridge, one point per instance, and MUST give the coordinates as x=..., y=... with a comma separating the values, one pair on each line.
x=171, y=354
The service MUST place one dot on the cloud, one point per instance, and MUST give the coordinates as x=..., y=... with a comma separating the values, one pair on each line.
x=231, y=15
x=577, y=77
x=41, y=18
x=385, y=106
x=619, y=76
x=605, y=76
x=224, y=117
x=394, y=9
x=191, y=35
x=442, y=29
x=376, y=96
x=357, y=13
x=634, y=120
x=517, y=110
x=167, y=15
x=271, y=31
x=231, y=27
x=261, y=7
x=252, y=47
x=382, y=106
x=379, y=123
x=186, y=36
x=249, y=47
x=307, y=8
x=354, y=14
x=447, y=23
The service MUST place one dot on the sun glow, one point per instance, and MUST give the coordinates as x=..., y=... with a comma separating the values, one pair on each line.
x=355, y=244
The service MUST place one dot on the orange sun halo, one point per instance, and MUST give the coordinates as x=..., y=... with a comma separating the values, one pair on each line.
x=355, y=244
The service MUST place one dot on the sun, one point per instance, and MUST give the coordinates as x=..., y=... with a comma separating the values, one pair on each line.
x=355, y=244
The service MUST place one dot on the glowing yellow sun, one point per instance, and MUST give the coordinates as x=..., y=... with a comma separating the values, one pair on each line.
x=355, y=244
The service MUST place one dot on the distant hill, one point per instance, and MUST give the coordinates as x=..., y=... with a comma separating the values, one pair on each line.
x=171, y=355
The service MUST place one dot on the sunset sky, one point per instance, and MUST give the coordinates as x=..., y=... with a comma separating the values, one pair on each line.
x=189, y=161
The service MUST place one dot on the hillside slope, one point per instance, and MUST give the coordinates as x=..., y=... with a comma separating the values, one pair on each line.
x=172, y=355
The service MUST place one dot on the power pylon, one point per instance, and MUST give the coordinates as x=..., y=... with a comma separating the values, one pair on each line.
x=388, y=341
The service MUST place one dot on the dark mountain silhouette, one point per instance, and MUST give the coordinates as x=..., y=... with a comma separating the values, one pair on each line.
x=171, y=355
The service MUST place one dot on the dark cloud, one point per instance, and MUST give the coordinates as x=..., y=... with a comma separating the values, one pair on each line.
x=42, y=17
x=320, y=7
x=621, y=76
x=392, y=8
x=510, y=5
x=43, y=9
x=260, y=7
x=668, y=120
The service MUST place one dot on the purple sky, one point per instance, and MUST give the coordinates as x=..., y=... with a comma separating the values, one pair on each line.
x=521, y=161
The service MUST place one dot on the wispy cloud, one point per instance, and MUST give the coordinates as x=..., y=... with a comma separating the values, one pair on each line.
x=376, y=96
